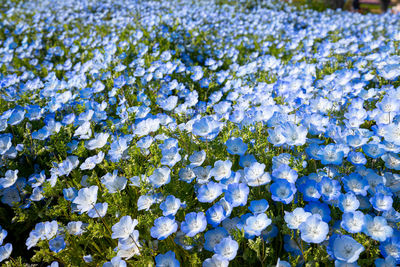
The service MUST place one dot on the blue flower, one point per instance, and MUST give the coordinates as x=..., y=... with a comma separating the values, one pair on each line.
x=207, y=127
x=352, y=222
x=236, y=146
x=116, y=261
x=345, y=248
x=256, y=224
x=255, y=175
x=5, y=143
x=294, y=135
x=227, y=248
x=381, y=202
x=113, y=182
x=329, y=189
x=296, y=217
x=226, y=206
x=86, y=198
x=119, y=81
x=75, y=228
x=70, y=193
x=99, y=210
x=170, y=156
x=309, y=190
x=392, y=161
x=3, y=234
x=247, y=160
x=314, y=229
x=167, y=259
x=313, y=151
x=348, y=202
x=16, y=116
x=221, y=170
x=216, y=260
x=215, y=214
x=5, y=251
x=197, y=158
x=373, y=150
x=390, y=71
x=282, y=191
x=236, y=194
x=356, y=184
x=10, y=178
x=124, y=228
x=118, y=148
x=357, y=158
x=160, y=177
x=321, y=209
x=145, y=201
x=92, y=161
x=389, y=261
x=168, y=103
x=356, y=141
x=163, y=227
x=209, y=192
x=391, y=247
x=331, y=154
x=258, y=206
x=99, y=141
x=57, y=244
x=283, y=171
x=10, y=196
x=213, y=237
x=170, y=206
x=186, y=174
x=147, y=126
x=377, y=228
x=254, y=171
x=194, y=223
x=197, y=73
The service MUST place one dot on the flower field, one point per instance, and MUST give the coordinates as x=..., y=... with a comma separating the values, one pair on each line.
x=198, y=133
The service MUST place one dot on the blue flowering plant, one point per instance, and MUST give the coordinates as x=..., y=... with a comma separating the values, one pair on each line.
x=198, y=133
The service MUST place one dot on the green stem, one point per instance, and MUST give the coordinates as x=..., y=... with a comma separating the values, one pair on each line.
x=299, y=245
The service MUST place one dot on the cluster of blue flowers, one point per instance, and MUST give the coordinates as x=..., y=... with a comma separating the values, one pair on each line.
x=187, y=133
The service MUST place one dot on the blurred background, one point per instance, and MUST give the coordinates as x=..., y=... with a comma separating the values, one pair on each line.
x=362, y=6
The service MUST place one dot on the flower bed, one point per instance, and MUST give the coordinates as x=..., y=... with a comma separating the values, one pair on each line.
x=198, y=133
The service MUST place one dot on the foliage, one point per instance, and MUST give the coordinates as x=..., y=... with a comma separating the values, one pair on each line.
x=198, y=133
